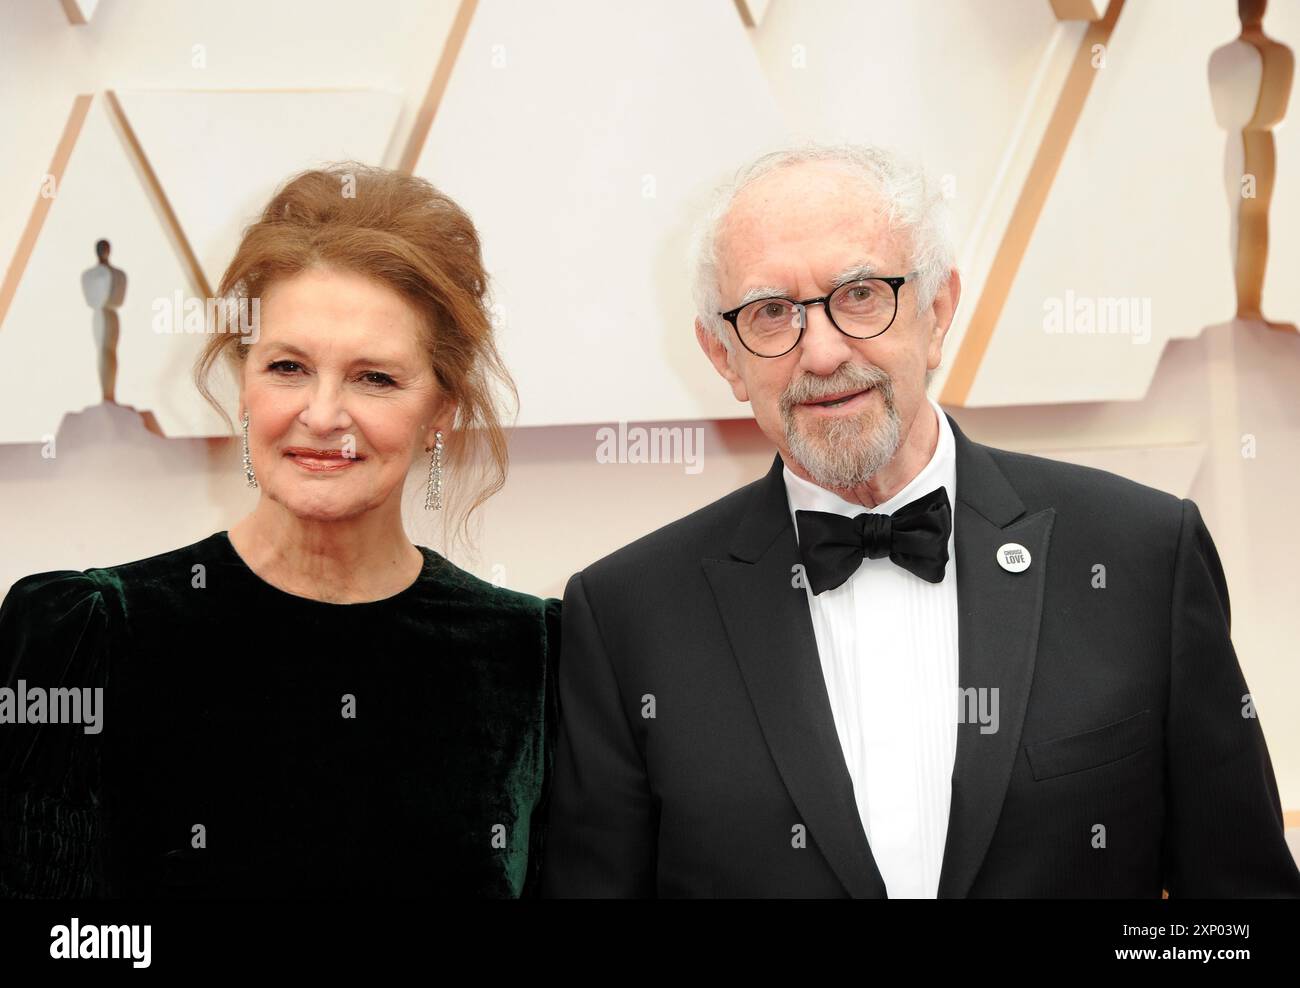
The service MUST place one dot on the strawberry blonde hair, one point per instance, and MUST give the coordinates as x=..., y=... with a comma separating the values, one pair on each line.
x=403, y=232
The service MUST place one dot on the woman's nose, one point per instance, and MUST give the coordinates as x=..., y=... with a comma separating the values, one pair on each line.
x=325, y=411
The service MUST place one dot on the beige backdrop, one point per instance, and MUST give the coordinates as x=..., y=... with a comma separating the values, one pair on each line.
x=1045, y=152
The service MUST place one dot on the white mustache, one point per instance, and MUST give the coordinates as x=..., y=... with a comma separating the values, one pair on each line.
x=803, y=393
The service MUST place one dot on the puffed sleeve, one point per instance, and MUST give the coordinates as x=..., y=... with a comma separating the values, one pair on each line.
x=54, y=634
x=551, y=721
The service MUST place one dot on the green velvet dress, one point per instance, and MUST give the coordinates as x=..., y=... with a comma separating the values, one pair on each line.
x=251, y=742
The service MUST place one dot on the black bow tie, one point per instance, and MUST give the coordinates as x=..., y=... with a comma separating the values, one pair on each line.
x=915, y=537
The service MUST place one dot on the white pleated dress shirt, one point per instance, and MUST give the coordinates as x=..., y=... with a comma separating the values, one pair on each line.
x=888, y=646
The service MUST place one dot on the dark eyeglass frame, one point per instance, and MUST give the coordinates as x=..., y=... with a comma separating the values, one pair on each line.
x=895, y=282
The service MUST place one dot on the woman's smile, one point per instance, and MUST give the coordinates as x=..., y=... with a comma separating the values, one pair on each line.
x=320, y=460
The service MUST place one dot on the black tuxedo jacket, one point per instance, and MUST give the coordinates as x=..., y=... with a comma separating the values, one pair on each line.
x=697, y=742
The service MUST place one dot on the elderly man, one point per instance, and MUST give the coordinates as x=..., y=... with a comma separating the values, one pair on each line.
x=903, y=663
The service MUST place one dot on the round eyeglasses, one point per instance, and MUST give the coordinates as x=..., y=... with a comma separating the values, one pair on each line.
x=861, y=309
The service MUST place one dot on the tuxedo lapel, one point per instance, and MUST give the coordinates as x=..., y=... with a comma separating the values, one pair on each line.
x=764, y=607
x=765, y=611
x=999, y=613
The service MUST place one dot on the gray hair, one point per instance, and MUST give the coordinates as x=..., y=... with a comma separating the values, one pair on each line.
x=911, y=202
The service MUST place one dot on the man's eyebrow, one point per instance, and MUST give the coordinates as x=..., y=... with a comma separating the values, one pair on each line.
x=762, y=291
x=856, y=273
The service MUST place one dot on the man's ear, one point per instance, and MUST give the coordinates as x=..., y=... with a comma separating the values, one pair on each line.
x=943, y=308
x=721, y=359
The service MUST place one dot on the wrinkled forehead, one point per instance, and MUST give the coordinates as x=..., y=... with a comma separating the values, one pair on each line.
x=812, y=220
x=324, y=310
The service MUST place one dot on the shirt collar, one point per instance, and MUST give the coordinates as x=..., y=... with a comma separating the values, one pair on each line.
x=804, y=495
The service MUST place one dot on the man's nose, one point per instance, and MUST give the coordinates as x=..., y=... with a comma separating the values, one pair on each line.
x=823, y=348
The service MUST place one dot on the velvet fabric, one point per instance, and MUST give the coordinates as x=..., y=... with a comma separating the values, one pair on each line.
x=227, y=764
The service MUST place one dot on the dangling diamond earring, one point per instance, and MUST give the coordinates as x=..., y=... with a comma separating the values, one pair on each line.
x=433, y=493
x=248, y=462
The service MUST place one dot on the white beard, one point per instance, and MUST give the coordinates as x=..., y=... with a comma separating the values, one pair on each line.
x=847, y=451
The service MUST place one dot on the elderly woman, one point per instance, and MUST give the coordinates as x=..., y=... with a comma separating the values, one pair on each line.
x=307, y=703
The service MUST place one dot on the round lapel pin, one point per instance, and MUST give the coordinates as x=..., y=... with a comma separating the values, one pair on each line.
x=1013, y=557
